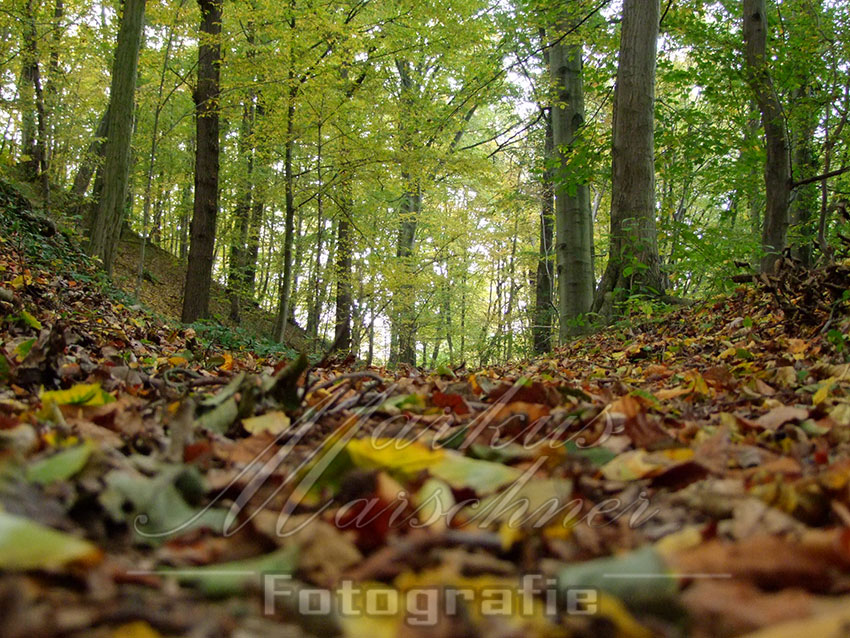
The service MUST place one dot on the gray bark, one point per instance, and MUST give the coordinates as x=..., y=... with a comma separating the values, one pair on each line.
x=777, y=175
x=106, y=225
x=633, y=261
x=573, y=221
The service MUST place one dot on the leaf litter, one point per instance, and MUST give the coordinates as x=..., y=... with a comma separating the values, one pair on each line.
x=692, y=470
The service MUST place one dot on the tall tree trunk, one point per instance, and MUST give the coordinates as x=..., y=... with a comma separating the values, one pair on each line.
x=255, y=227
x=777, y=175
x=543, y=303
x=342, y=331
x=573, y=221
x=196, y=295
x=289, y=222
x=92, y=158
x=315, y=307
x=804, y=199
x=185, y=202
x=106, y=225
x=403, y=328
x=633, y=261
x=51, y=89
x=236, y=279
x=36, y=145
x=404, y=325
x=146, y=201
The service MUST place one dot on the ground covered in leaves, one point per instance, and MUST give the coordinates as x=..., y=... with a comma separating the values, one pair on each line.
x=681, y=476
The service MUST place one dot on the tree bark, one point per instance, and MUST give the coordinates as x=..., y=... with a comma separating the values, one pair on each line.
x=196, y=295
x=35, y=135
x=777, y=175
x=342, y=331
x=236, y=279
x=804, y=199
x=403, y=340
x=109, y=214
x=633, y=261
x=289, y=222
x=573, y=221
x=92, y=157
x=543, y=303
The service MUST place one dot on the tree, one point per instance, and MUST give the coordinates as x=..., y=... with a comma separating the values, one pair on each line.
x=543, y=302
x=196, y=294
x=106, y=225
x=777, y=175
x=633, y=261
x=573, y=222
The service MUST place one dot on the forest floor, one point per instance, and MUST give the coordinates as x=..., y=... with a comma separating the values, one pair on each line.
x=684, y=475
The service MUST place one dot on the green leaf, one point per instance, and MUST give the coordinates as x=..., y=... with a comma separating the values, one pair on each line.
x=641, y=579
x=89, y=394
x=228, y=579
x=25, y=544
x=444, y=370
x=31, y=321
x=23, y=349
x=5, y=368
x=454, y=440
x=482, y=476
x=221, y=418
x=596, y=454
x=157, y=508
x=60, y=466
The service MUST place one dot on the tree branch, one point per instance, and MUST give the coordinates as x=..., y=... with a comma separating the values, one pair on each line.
x=820, y=178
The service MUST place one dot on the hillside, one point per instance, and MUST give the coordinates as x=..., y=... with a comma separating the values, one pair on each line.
x=649, y=478
x=163, y=290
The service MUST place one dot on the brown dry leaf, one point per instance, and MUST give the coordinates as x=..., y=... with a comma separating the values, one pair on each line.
x=721, y=608
x=811, y=562
x=781, y=415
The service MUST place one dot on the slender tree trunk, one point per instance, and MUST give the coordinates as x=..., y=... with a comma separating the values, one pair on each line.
x=777, y=175
x=92, y=158
x=202, y=244
x=51, y=89
x=342, y=331
x=804, y=200
x=289, y=223
x=315, y=280
x=146, y=202
x=185, y=202
x=106, y=225
x=403, y=339
x=633, y=261
x=404, y=326
x=344, y=250
x=573, y=221
x=36, y=146
x=543, y=302
x=236, y=279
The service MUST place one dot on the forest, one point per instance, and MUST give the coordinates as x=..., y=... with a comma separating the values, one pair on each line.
x=428, y=319
x=490, y=208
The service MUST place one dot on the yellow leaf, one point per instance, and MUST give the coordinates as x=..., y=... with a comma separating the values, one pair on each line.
x=90, y=394
x=407, y=457
x=228, y=362
x=272, y=422
x=629, y=466
x=137, y=629
x=823, y=391
x=178, y=361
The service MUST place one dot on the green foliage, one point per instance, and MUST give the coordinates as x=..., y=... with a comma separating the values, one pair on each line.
x=212, y=333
